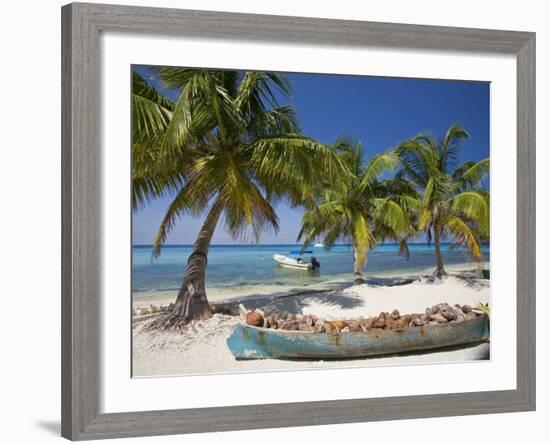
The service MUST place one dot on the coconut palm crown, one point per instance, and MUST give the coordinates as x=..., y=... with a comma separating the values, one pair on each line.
x=454, y=201
x=225, y=150
x=363, y=211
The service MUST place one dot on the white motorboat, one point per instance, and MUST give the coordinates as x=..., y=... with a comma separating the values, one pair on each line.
x=318, y=245
x=297, y=264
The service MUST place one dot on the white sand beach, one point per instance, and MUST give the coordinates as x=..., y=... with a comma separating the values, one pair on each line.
x=201, y=347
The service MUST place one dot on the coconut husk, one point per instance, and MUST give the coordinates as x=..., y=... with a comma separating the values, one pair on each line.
x=439, y=318
x=449, y=314
x=379, y=322
x=290, y=325
x=306, y=327
x=438, y=314
x=354, y=326
x=308, y=319
x=255, y=319
x=395, y=315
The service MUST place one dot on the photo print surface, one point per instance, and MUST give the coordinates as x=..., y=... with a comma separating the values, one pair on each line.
x=289, y=221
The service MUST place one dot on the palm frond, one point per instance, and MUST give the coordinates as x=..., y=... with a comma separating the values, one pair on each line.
x=473, y=205
x=151, y=112
x=293, y=165
x=322, y=218
x=391, y=215
x=149, y=185
x=386, y=161
x=280, y=120
x=451, y=146
x=471, y=175
x=140, y=87
x=424, y=220
x=176, y=78
x=149, y=119
x=258, y=91
x=463, y=235
x=428, y=192
x=417, y=161
x=245, y=206
x=189, y=200
x=191, y=119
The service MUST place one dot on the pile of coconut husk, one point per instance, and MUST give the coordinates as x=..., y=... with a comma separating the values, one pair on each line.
x=437, y=315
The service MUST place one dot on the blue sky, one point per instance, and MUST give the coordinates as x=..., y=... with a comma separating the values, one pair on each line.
x=378, y=111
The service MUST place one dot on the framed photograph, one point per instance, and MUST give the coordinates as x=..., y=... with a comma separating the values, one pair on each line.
x=278, y=221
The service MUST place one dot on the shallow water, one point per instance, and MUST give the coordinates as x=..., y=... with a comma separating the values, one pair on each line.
x=232, y=267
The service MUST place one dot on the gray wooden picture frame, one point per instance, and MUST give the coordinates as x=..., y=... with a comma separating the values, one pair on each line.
x=81, y=174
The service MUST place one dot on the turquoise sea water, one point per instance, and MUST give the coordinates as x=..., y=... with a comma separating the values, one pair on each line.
x=232, y=266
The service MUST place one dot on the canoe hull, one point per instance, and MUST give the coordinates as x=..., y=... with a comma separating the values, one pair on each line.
x=248, y=342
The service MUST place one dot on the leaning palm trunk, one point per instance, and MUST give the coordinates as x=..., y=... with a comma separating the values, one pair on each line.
x=191, y=302
x=358, y=265
x=440, y=269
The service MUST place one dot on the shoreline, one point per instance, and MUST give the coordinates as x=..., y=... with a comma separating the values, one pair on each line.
x=226, y=294
x=200, y=348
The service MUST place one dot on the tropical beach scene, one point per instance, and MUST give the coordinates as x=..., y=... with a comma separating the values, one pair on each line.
x=292, y=221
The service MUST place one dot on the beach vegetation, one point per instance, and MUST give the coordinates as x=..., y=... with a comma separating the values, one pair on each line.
x=226, y=150
x=363, y=211
x=454, y=198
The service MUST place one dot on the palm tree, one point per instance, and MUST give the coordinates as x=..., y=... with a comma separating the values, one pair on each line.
x=454, y=201
x=364, y=210
x=225, y=150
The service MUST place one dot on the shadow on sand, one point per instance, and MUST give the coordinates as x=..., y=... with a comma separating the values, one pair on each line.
x=294, y=302
x=472, y=279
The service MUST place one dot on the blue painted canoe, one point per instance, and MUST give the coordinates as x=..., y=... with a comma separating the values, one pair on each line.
x=249, y=342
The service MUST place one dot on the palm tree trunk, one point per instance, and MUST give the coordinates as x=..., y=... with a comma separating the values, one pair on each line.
x=480, y=264
x=191, y=302
x=358, y=265
x=440, y=269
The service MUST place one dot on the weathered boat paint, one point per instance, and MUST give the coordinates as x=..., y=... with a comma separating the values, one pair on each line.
x=249, y=342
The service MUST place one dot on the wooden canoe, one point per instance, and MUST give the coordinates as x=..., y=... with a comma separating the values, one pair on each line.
x=249, y=342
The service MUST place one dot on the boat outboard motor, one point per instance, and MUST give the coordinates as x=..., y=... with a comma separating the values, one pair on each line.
x=315, y=263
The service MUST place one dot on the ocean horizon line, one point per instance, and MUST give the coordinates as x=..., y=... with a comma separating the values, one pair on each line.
x=282, y=244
